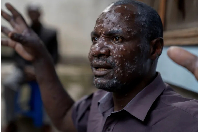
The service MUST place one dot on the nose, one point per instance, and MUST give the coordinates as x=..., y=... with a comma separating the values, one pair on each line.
x=100, y=50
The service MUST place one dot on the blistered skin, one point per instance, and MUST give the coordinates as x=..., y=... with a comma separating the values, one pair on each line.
x=116, y=55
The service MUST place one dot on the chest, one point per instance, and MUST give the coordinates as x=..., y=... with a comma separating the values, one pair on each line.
x=118, y=122
x=45, y=35
x=125, y=122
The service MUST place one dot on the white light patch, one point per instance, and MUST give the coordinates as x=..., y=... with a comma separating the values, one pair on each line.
x=108, y=8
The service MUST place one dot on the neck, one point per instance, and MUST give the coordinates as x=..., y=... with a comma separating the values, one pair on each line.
x=122, y=99
x=36, y=24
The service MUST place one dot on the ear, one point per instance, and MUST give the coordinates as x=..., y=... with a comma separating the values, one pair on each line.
x=156, y=48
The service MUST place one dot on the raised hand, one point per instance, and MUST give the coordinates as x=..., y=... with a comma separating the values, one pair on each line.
x=29, y=46
x=185, y=59
x=25, y=42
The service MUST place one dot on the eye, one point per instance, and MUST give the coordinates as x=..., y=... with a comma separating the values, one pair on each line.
x=117, y=39
x=94, y=39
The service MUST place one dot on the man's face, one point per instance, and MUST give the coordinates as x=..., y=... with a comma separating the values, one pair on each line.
x=34, y=15
x=116, y=55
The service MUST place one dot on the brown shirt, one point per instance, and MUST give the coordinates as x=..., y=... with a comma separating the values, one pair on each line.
x=157, y=108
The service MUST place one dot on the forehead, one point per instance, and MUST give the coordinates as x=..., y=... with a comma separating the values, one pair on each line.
x=33, y=9
x=119, y=14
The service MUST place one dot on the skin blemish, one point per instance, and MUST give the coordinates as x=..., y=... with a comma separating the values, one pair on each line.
x=122, y=57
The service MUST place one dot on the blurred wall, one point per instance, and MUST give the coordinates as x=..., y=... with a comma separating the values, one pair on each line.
x=74, y=19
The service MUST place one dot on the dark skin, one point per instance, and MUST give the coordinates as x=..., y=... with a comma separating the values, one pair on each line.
x=27, y=44
x=34, y=16
x=56, y=100
x=185, y=59
x=116, y=55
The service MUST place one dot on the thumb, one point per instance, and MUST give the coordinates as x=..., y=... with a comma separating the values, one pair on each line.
x=184, y=58
x=20, y=41
x=18, y=38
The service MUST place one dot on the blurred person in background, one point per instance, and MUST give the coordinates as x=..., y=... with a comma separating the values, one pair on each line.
x=24, y=71
x=132, y=95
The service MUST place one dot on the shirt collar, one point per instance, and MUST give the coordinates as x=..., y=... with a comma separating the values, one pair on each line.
x=106, y=102
x=141, y=103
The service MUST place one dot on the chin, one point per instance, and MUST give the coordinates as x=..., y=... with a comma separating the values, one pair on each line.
x=112, y=85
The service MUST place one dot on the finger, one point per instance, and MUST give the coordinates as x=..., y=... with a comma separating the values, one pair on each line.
x=8, y=42
x=17, y=16
x=184, y=58
x=17, y=47
x=8, y=18
x=14, y=12
x=17, y=37
x=4, y=42
x=5, y=15
x=5, y=30
x=22, y=52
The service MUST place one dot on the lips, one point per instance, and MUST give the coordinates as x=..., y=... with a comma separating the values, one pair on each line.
x=101, y=69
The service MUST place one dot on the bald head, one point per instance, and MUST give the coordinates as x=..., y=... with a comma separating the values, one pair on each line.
x=146, y=18
x=34, y=12
x=34, y=7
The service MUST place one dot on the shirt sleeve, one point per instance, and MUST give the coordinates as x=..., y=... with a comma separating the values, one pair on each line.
x=80, y=113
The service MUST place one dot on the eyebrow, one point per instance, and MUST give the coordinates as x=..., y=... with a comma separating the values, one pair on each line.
x=109, y=33
x=94, y=33
x=113, y=32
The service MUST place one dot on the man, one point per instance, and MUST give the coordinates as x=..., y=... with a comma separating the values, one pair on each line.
x=126, y=43
x=24, y=71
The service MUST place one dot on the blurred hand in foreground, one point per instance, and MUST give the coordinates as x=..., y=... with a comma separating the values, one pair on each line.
x=22, y=39
x=30, y=73
x=185, y=59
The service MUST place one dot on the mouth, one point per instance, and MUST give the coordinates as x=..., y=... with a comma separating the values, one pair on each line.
x=101, y=70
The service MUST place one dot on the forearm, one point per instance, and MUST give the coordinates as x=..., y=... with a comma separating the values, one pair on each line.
x=28, y=45
x=56, y=100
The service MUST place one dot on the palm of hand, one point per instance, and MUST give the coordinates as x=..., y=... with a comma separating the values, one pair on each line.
x=22, y=39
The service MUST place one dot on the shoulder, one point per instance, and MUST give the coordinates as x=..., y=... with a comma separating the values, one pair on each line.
x=87, y=100
x=81, y=109
x=175, y=113
x=185, y=106
x=83, y=101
